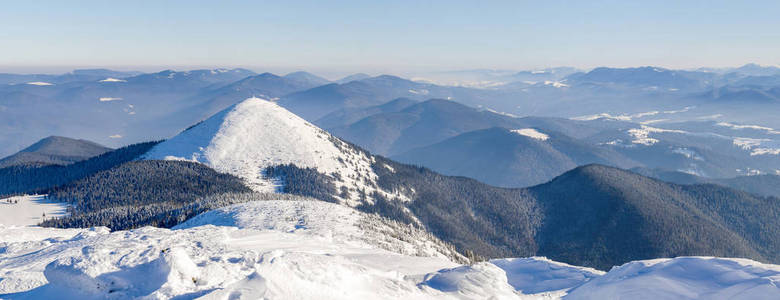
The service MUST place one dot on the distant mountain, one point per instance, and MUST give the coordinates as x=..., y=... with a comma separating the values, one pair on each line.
x=418, y=125
x=109, y=110
x=315, y=103
x=764, y=185
x=353, y=77
x=266, y=85
x=395, y=127
x=745, y=94
x=191, y=79
x=757, y=82
x=54, y=150
x=544, y=74
x=647, y=77
x=757, y=70
x=105, y=73
x=307, y=79
x=346, y=116
x=511, y=157
x=32, y=179
x=703, y=148
x=269, y=85
x=74, y=76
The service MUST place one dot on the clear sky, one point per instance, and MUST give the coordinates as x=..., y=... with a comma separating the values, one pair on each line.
x=373, y=36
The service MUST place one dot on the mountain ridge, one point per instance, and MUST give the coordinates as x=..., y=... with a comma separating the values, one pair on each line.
x=54, y=150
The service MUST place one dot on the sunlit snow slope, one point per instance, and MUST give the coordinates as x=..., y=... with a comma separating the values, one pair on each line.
x=254, y=134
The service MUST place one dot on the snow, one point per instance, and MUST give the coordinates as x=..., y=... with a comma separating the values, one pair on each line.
x=40, y=83
x=684, y=109
x=539, y=275
x=29, y=210
x=330, y=255
x=255, y=134
x=688, y=153
x=645, y=114
x=532, y=133
x=109, y=79
x=642, y=135
x=556, y=84
x=629, y=117
x=748, y=143
x=603, y=116
x=319, y=250
x=685, y=278
x=500, y=112
x=420, y=92
x=753, y=127
x=754, y=146
x=649, y=122
x=749, y=171
x=317, y=218
x=710, y=117
x=107, y=99
x=115, y=136
x=765, y=151
x=471, y=282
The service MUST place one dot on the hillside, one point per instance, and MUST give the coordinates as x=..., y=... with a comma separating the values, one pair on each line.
x=345, y=116
x=510, y=157
x=764, y=185
x=35, y=179
x=600, y=216
x=54, y=150
x=418, y=125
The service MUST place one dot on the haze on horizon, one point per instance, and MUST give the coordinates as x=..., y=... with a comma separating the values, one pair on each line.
x=400, y=37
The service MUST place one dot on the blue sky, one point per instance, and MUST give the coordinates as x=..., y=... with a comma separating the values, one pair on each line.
x=394, y=36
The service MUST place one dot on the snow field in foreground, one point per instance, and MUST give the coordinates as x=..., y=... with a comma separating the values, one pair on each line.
x=318, y=250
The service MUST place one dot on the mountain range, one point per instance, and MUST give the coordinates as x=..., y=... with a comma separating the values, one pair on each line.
x=293, y=156
x=554, y=183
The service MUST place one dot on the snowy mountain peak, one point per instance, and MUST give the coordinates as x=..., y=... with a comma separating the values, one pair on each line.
x=255, y=134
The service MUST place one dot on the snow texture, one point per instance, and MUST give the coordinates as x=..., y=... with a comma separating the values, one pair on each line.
x=685, y=278
x=318, y=250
